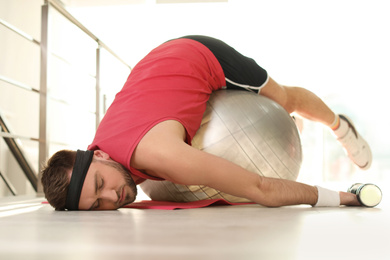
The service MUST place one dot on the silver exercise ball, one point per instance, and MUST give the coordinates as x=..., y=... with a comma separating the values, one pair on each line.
x=247, y=129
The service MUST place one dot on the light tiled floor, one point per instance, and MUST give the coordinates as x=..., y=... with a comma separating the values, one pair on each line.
x=30, y=230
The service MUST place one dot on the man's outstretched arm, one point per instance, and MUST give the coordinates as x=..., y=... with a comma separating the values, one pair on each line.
x=163, y=153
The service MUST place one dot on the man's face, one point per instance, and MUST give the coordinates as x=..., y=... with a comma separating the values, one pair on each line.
x=108, y=185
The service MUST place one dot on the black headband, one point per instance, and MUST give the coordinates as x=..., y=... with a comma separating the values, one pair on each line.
x=80, y=169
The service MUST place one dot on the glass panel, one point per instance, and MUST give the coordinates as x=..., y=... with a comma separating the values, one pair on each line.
x=71, y=43
x=69, y=125
x=29, y=22
x=20, y=58
x=71, y=86
x=20, y=108
x=113, y=75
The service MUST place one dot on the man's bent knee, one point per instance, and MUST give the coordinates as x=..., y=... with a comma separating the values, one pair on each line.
x=282, y=95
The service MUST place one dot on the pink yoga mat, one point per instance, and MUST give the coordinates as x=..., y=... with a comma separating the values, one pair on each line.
x=167, y=205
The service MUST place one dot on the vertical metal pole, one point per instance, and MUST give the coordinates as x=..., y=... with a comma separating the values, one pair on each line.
x=98, y=109
x=43, y=144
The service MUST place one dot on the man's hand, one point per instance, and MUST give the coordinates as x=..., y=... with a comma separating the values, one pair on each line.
x=348, y=199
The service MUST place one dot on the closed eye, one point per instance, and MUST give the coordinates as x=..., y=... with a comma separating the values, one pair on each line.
x=99, y=188
x=99, y=185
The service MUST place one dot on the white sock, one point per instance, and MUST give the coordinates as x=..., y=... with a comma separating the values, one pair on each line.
x=342, y=130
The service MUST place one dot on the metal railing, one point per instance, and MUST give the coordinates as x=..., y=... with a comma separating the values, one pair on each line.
x=45, y=53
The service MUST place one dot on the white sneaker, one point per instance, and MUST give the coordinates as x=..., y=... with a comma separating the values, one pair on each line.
x=355, y=146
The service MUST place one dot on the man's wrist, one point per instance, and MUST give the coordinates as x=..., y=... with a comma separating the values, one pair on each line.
x=327, y=198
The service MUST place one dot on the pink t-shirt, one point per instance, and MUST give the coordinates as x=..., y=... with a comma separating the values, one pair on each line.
x=173, y=82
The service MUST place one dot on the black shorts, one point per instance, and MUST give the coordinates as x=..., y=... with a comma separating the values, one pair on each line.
x=240, y=71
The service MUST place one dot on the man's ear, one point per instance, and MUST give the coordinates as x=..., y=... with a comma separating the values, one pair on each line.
x=101, y=154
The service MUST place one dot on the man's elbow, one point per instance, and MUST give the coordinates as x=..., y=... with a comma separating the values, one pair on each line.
x=264, y=194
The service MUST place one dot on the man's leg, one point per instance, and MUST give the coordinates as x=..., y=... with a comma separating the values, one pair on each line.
x=310, y=106
x=300, y=101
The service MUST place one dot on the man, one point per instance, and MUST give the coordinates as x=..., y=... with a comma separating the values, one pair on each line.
x=147, y=132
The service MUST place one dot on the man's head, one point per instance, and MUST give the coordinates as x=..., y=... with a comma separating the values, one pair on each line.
x=107, y=184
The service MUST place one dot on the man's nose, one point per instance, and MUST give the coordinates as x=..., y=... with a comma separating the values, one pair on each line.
x=109, y=195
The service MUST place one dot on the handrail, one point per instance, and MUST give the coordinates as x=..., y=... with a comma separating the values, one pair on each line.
x=20, y=32
x=18, y=84
x=19, y=156
x=61, y=9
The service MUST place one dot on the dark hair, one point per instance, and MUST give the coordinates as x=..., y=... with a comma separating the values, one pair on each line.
x=55, y=177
